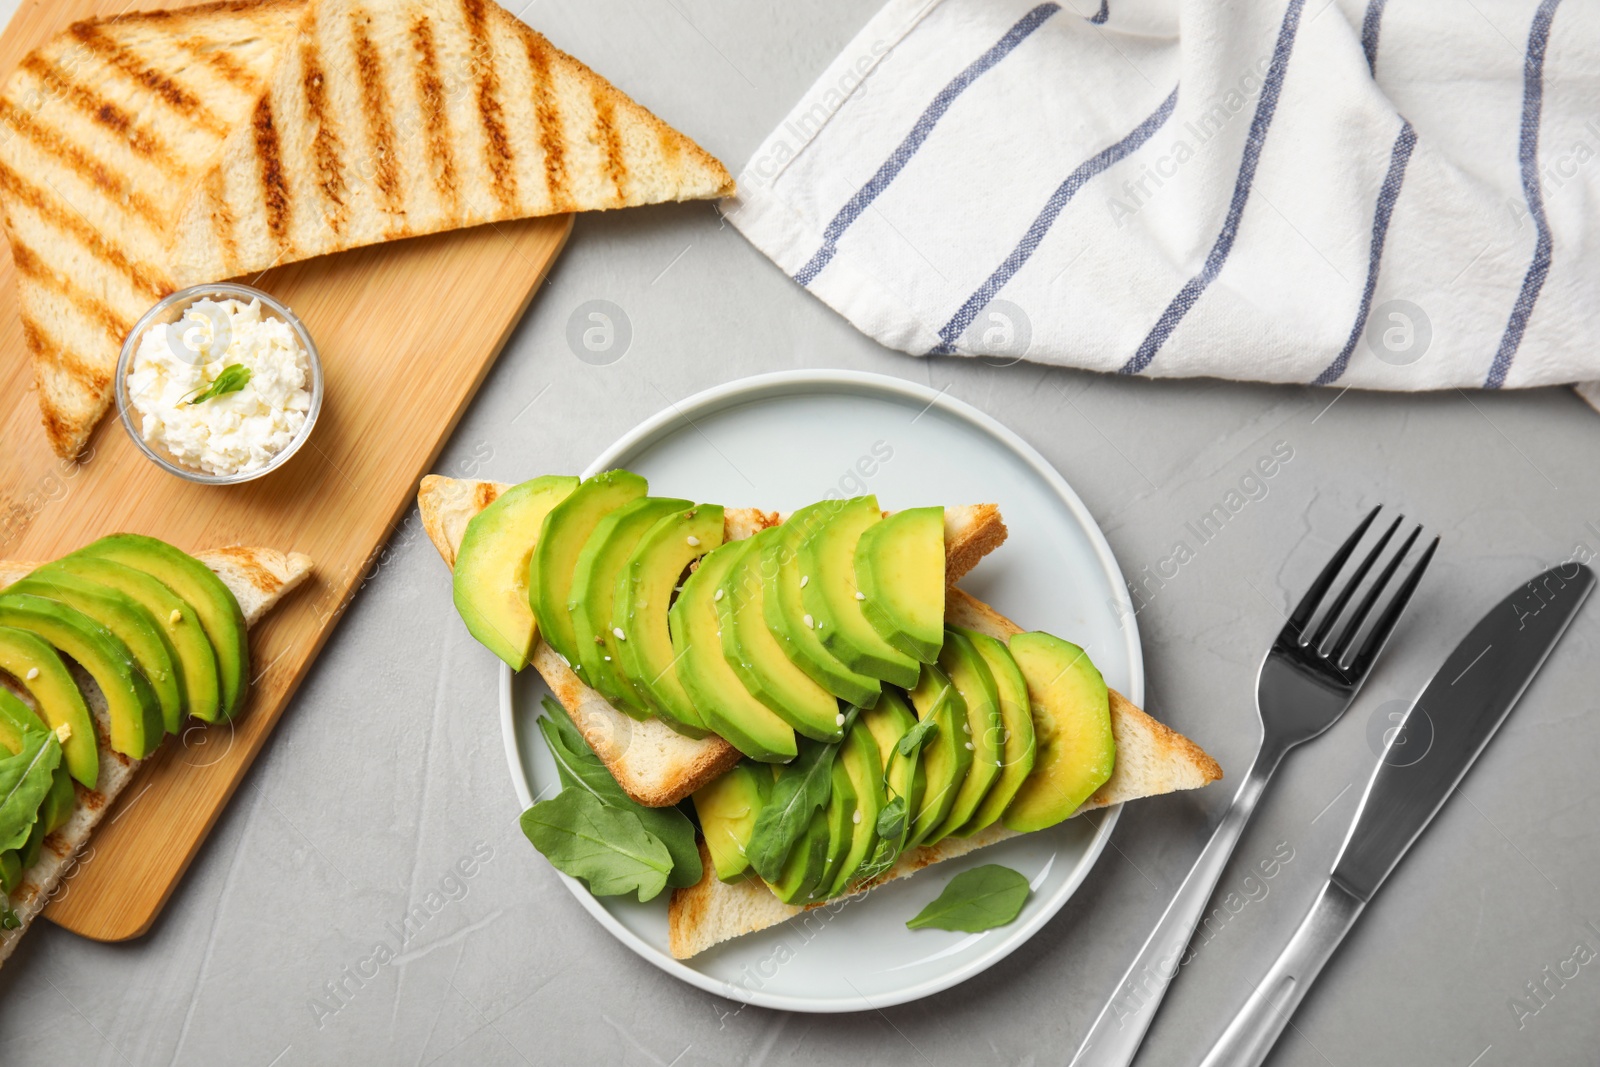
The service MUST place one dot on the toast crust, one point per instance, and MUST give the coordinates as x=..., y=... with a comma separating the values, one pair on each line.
x=654, y=764
x=259, y=579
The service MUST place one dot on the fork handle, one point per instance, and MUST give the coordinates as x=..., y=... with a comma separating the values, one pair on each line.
x=1120, y=1028
x=1253, y=1032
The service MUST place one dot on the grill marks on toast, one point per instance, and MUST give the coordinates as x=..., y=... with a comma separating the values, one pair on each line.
x=379, y=112
x=19, y=191
x=95, y=106
x=548, y=112
x=327, y=152
x=614, y=165
x=33, y=267
x=52, y=143
x=274, y=187
x=436, y=117
x=497, y=144
x=159, y=85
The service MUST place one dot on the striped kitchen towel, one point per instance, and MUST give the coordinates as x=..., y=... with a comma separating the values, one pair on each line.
x=1387, y=194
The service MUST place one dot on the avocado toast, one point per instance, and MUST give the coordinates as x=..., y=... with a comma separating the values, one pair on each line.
x=103, y=714
x=939, y=727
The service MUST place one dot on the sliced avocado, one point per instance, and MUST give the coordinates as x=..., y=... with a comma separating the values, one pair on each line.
x=807, y=863
x=192, y=580
x=831, y=601
x=904, y=777
x=136, y=726
x=843, y=810
x=981, y=732
x=132, y=625
x=490, y=586
x=644, y=597
x=785, y=614
x=862, y=761
x=946, y=757
x=900, y=568
x=728, y=807
x=756, y=657
x=198, y=679
x=10, y=871
x=594, y=593
x=718, y=694
x=1072, y=728
x=564, y=533
x=1016, y=730
x=38, y=668
x=16, y=718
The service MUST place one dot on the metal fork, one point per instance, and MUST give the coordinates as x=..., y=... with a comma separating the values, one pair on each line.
x=1306, y=683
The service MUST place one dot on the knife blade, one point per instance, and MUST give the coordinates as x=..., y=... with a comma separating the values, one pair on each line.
x=1463, y=706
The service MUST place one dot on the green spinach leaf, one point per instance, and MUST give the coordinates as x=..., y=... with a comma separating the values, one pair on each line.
x=802, y=787
x=581, y=769
x=608, y=848
x=980, y=899
x=25, y=781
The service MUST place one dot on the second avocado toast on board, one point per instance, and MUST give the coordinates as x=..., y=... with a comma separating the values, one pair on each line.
x=103, y=653
x=841, y=713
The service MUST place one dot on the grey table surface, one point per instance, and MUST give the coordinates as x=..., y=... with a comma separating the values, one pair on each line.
x=387, y=769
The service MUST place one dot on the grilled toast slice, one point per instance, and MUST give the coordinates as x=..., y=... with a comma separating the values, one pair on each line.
x=395, y=119
x=1151, y=759
x=653, y=763
x=104, y=129
x=259, y=579
x=153, y=151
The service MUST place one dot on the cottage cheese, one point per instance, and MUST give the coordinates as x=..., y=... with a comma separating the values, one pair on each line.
x=233, y=433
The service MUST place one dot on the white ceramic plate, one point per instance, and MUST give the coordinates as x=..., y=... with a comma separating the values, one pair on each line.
x=779, y=441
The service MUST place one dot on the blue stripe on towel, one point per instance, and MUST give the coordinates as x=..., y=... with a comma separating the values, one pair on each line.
x=1528, y=158
x=1369, y=32
x=1041, y=225
x=919, y=133
x=1265, y=107
x=1387, y=195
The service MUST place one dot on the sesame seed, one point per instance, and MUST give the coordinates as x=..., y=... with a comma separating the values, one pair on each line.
x=860, y=595
x=840, y=720
x=997, y=763
x=608, y=659
x=969, y=746
x=810, y=625
x=694, y=542
x=856, y=818
x=717, y=595
x=33, y=672
x=804, y=578
x=966, y=728
x=618, y=634
x=176, y=617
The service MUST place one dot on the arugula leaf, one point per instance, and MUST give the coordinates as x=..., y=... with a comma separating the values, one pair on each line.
x=581, y=769
x=234, y=377
x=913, y=739
x=607, y=847
x=884, y=854
x=25, y=781
x=803, y=787
x=892, y=819
x=976, y=900
x=8, y=918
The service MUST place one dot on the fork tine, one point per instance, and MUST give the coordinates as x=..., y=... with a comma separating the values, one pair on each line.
x=1308, y=603
x=1391, y=614
x=1353, y=627
x=1332, y=615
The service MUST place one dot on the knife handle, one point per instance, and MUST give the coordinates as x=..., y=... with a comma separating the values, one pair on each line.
x=1253, y=1032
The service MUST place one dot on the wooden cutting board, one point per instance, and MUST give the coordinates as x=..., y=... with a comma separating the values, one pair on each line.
x=406, y=332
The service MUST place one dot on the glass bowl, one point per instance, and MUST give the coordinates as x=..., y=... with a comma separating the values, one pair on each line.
x=171, y=309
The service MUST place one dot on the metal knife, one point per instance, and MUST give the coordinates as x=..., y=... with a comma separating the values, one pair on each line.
x=1463, y=705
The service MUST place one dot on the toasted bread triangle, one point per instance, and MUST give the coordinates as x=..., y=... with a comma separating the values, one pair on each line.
x=103, y=130
x=163, y=149
x=259, y=578
x=396, y=119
